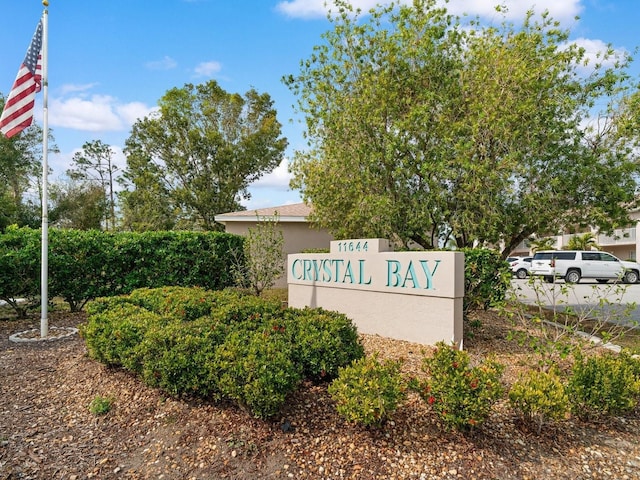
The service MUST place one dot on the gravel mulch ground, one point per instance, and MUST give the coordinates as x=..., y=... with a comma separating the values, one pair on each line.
x=48, y=432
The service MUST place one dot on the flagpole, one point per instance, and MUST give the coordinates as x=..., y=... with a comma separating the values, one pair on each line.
x=44, y=272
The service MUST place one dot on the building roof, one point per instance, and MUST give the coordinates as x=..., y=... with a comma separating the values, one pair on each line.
x=297, y=212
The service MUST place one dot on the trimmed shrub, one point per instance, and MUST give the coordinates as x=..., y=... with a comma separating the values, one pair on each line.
x=461, y=395
x=324, y=341
x=113, y=335
x=20, y=254
x=603, y=385
x=184, y=303
x=179, y=357
x=257, y=371
x=368, y=391
x=219, y=345
x=538, y=397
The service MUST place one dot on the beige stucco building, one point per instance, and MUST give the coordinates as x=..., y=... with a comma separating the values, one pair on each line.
x=298, y=233
x=624, y=243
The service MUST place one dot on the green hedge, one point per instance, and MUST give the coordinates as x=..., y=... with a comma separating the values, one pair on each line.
x=87, y=264
x=220, y=345
x=20, y=253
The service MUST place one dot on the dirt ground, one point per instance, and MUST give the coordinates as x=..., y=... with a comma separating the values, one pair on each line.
x=48, y=432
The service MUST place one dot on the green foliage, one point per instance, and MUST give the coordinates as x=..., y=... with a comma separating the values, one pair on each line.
x=20, y=253
x=220, y=345
x=180, y=357
x=603, y=385
x=486, y=279
x=78, y=265
x=586, y=241
x=196, y=158
x=93, y=165
x=257, y=370
x=433, y=128
x=101, y=405
x=84, y=265
x=113, y=335
x=324, y=341
x=462, y=395
x=368, y=391
x=539, y=396
x=263, y=260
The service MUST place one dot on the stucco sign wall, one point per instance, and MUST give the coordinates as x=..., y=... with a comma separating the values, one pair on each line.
x=414, y=296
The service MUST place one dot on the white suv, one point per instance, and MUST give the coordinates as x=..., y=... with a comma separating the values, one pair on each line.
x=572, y=265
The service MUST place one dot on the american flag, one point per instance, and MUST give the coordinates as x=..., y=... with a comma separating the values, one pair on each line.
x=18, y=108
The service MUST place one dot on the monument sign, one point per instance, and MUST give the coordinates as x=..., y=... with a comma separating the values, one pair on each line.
x=415, y=296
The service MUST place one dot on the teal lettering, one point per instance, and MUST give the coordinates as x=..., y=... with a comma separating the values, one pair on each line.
x=316, y=270
x=326, y=270
x=337, y=264
x=429, y=273
x=348, y=273
x=306, y=270
x=393, y=277
x=295, y=275
x=410, y=276
x=361, y=280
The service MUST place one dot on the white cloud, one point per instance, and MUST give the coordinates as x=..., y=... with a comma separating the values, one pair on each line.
x=133, y=111
x=594, y=51
x=97, y=113
x=207, y=69
x=563, y=10
x=71, y=88
x=167, y=63
x=278, y=179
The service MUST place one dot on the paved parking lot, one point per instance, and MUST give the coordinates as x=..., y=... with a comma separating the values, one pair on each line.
x=617, y=302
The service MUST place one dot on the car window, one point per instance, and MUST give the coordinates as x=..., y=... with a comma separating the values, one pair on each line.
x=591, y=256
x=564, y=255
x=542, y=256
x=606, y=257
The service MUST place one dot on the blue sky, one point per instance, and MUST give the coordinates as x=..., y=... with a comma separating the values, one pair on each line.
x=110, y=61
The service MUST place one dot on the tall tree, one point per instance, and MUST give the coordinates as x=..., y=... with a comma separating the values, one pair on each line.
x=425, y=129
x=77, y=204
x=94, y=164
x=21, y=176
x=200, y=152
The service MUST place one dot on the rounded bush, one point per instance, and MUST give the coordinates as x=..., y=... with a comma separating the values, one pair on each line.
x=539, y=396
x=324, y=341
x=603, y=385
x=368, y=392
x=461, y=395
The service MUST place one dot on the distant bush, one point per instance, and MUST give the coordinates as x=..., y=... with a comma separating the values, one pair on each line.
x=368, y=391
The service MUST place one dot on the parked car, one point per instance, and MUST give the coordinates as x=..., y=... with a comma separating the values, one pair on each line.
x=520, y=266
x=573, y=265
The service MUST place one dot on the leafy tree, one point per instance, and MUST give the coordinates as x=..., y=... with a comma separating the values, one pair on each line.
x=77, y=205
x=423, y=129
x=21, y=175
x=198, y=154
x=94, y=164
